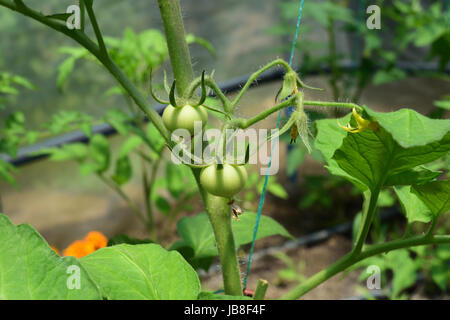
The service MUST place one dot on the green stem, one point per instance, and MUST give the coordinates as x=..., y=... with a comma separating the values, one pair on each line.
x=95, y=26
x=219, y=215
x=261, y=289
x=217, y=208
x=350, y=259
x=255, y=75
x=331, y=104
x=243, y=124
x=82, y=14
x=176, y=41
x=249, y=122
x=370, y=205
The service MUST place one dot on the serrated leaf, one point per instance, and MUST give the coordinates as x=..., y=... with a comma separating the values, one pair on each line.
x=373, y=156
x=418, y=175
x=143, y=271
x=409, y=128
x=413, y=208
x=435, y=195
x=30, y=269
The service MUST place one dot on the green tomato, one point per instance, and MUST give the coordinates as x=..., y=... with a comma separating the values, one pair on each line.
x=223, y=181
x=184, y=117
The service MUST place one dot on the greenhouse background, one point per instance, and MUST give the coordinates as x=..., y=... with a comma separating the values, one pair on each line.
x=234, y=38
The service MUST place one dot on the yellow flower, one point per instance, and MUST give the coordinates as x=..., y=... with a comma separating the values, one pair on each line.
x=362, y=124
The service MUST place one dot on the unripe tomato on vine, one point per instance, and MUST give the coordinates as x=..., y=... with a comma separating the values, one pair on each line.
x=184, y=117
x=223, y=180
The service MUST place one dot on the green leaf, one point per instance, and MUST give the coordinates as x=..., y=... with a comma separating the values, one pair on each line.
x=435, y=195
x=197, y=232
x=129, y=145
x=418, y=175
x=162, y=204
x=30, y=269
x=212, y=296
x=126, y=239
x=413, y=207
x=99, y=151
x=404, y=270
x=123, y=171
x=329, y=138
x=409, y=128
x=386, y=76
x=157, y=142
x=373, y=157
x=440, y=273
x=444, y=104
x=175, y=181
x=143, y=271
x=74, y=151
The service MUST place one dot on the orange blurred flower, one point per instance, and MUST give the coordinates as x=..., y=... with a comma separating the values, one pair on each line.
x=97, y=239
x=79, y=248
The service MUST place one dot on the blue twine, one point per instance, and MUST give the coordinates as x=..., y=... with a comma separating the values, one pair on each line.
x=263, y=193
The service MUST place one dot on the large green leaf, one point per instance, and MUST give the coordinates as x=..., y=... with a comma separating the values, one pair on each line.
x=197, y=232
x=373, y=157
x=435, y=195
x=143, y=271
x=413, y=207
x=30, y=269
x=409, y=128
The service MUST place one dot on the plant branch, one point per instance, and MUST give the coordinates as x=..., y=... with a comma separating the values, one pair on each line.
x=217, y=208
x=370, y=205
x=350, y=259
x=176, y=41
x=98, y=33
x=255, y=75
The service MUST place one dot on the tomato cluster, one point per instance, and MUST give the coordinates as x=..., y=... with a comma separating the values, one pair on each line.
x=223, y=180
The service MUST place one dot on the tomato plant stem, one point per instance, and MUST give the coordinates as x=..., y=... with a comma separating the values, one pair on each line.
x=369, y=207
x=261, y=289
x=176, y=41
x=350, y=259
x=217, y=208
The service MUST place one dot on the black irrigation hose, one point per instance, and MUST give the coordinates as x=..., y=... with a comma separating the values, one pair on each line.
x=28, y=154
